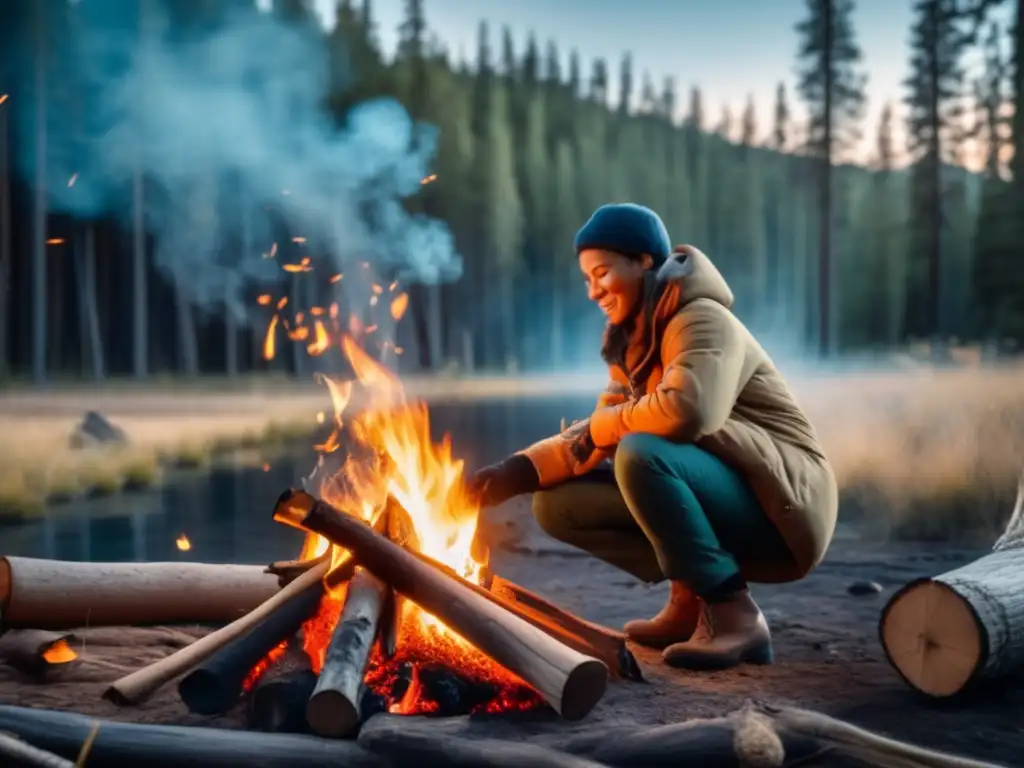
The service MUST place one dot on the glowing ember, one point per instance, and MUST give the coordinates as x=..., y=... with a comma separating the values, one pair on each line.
x=430, y=178
x=264, y=664
x=398, y=305
x=182, y=543
x=389, y=454
x=3, y=98
x=55, y=241
x=59, y=653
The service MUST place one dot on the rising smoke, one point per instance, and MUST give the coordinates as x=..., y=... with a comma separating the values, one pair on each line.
x=241, y=103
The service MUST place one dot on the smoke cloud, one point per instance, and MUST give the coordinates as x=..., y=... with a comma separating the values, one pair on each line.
x=239, y=108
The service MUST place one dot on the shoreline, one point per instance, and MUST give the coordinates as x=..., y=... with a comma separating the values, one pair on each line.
x=923, y=447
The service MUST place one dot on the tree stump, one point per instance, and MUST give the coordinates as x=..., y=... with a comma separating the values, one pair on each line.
x=947, y=632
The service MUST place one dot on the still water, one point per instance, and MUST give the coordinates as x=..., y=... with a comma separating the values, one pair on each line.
x=226, y=512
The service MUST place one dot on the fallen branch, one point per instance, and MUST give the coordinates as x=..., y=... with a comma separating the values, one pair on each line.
x=333, y=708
x=856, y=742
x=15, y=752
x=36, y=651
x=569, y=681
x=54, y=594
x=164, y=746
x=140, y=684
x=215, y=685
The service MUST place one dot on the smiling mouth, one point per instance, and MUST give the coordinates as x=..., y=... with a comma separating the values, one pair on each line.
x=607, y=306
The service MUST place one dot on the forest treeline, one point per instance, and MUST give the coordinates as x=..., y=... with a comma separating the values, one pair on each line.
x=823, y=254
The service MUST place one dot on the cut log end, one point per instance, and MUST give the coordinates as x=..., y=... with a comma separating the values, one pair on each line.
x=933, y=637
x=331, y=714
x=584, y=687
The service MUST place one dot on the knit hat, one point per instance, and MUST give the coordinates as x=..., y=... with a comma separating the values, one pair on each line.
x=628, y=229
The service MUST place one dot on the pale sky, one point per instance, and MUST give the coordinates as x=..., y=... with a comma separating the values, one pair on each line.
x=730, y=48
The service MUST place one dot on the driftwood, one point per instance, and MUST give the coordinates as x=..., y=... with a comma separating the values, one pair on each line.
x=36, y=651
x=55, y=594
x=569, y=681
x=15, y=753
x=333, y=708
x=945, y=633
x=426, y=751
x=215, y=685
x=278, y=702
x=603, y=643
x=126, y=745
x=141, y=683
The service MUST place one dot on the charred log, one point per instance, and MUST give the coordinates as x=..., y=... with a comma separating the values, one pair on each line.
x=36, y=652
x=278, y=702
x=127, y=745
x=216, y=684
x=333, y=708
x=569, y=681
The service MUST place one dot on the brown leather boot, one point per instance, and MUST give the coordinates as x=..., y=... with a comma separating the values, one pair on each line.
x=673, y=624
x=729, y=633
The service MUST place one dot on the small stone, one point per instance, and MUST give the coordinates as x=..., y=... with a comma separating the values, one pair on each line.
x=861, y=588
x=96, y=429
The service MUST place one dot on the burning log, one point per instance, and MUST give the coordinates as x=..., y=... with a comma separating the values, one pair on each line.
x=945, y=633
x=139, y=684
x=333, y=709
x=215, y=685
x=164, y=746
x=569, y=681
x=36, y=651
x=54, y=594
x=278, y=702
x=602, y=642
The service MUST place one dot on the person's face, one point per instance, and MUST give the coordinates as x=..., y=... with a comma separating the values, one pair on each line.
x=614, y=282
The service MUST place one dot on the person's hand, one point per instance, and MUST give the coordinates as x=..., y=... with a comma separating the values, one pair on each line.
x=498, y=483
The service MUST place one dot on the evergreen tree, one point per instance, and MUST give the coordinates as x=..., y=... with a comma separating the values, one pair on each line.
x=780, y=129
x=834, y=93
x=934, y=110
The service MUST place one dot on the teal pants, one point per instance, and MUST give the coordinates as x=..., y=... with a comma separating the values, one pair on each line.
x=664, y=511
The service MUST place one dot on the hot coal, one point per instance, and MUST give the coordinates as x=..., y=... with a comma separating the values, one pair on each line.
x=443, y=692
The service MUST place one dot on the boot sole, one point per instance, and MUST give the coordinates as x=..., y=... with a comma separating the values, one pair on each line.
x=762, y=655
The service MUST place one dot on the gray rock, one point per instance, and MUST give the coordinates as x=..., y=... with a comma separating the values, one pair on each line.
x=96, y=429
x=862, y=588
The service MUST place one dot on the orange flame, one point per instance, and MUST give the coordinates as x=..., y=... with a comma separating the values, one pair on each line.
x=3, y=98
x=59, y=653
x=263, y=300
x=269, y=343
x=428, y=179
x=302, y=266
x=263, y=665
x=321, y=341
x=398, y=305
x=55, y=241
x=182, y=543
x=336, y=278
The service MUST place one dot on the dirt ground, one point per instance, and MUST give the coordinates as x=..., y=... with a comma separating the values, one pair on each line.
x=827, y=654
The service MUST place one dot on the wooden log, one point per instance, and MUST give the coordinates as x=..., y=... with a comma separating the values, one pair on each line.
x=135, y=687
x=55, y=594
x=215, y=685
x=288, y=570
x=569, y=681
x=278, y=702
x=128, y=745
x=333, y=708
x=946, y=633
x=605, y=644
x=37, y=651
x=15, y=752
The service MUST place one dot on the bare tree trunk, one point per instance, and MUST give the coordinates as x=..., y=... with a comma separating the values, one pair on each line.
x=557, y=326
x=91, y=338
x=230, y=339
x=5, y=243
x=140, y=329
x=435, y=325
x=187, y=344
x=508, y=325
x=825, y=222
x=40, y=210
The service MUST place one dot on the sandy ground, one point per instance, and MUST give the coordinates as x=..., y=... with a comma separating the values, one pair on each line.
x=827, y=655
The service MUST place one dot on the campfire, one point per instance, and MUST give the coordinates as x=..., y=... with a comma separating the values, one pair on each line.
x=388, y=608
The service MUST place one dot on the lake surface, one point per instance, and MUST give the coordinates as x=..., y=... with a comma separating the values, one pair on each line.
x=226, y=512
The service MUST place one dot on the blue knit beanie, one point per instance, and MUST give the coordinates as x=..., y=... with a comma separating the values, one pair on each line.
x=628, y=229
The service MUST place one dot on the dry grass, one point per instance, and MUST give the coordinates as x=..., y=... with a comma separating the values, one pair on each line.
x=923, y=452
x=918, y=452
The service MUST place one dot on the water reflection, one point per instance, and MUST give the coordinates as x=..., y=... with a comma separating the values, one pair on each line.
x=226, y=513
